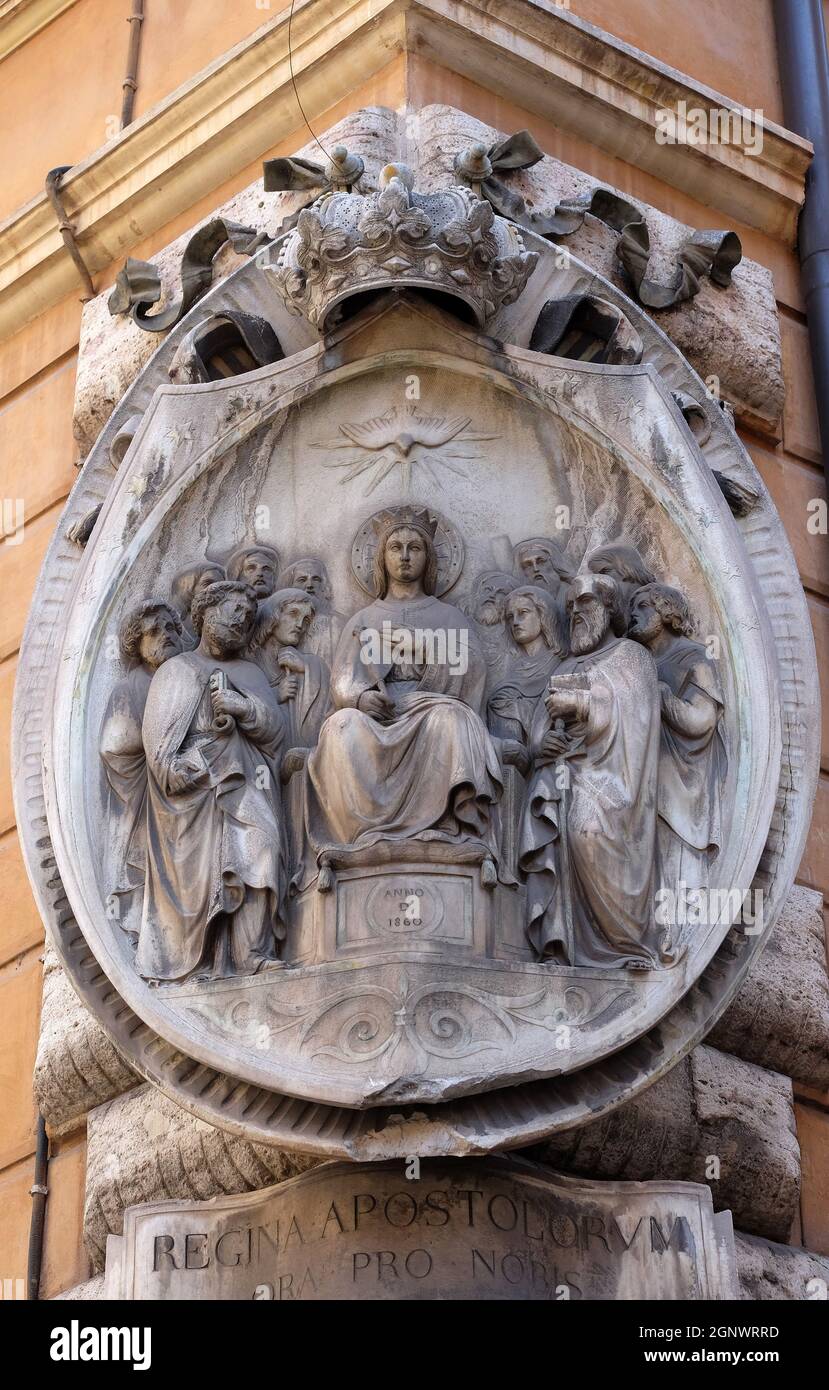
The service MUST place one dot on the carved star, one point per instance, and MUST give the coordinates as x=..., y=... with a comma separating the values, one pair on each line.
x=138, y=485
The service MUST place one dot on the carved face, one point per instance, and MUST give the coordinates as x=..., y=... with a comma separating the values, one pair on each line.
x=207, y=576
x=536, y=566
x=405, y=555
x=523, y=619
x=259, y=573
x=589, y=622
x=645, y=620
x=294, y=618
x=492, y=593
x=228, y=625
x=160, y=639
x=311, y=578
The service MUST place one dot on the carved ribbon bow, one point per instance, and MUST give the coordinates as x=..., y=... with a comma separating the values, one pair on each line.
x=712, y=253
x=138, y=285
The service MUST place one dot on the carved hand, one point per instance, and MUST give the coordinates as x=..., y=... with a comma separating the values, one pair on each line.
x=230, y=702
x=568, y=704
x=287, y=687
x=376, y=704
x=182, y=775
x=293, y=761
x=514, y=754
x=554, y=744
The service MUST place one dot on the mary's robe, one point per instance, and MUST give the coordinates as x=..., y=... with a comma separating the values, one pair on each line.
x=432, y=772
x=215, y=852
x=603, y=912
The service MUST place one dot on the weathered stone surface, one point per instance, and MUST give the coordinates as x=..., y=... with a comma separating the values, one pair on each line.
x=89, y=1292
x=780, y=1018
x=143, y=1148
x=710, y=1106
x=768, y=1271
x=500, y=1229
x=77, y=1066
x=732, y=335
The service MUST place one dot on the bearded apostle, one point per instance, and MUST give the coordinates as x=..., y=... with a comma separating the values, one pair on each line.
x=216, y=863
x=588, y=837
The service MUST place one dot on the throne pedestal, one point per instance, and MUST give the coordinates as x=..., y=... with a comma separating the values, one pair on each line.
x=434, y=897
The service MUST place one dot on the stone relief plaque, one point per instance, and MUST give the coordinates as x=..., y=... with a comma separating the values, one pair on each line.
x=396, y=753
x=494, y=1230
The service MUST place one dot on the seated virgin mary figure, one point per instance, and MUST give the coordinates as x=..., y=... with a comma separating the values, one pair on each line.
x=405, y=754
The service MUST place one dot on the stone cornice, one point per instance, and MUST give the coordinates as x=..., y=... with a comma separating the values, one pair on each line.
x=22, y=19
x=244, y=103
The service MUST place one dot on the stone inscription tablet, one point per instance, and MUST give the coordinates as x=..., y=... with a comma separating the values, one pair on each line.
x=489, y=1229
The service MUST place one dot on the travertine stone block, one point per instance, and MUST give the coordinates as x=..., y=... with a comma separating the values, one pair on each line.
x=710, y=1107
x=768, y=1271
x=89, y=1292
x=780, y=1018
x=77, y=1066
x=144, y=1148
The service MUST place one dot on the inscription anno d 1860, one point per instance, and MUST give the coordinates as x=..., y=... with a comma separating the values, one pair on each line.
x=501, y=1229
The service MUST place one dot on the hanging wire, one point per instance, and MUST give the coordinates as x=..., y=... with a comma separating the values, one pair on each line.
x=294, y=85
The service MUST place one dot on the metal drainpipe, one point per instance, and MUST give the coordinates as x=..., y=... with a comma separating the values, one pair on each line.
x=39, y=1192
x=135, y=21
x=804, y=75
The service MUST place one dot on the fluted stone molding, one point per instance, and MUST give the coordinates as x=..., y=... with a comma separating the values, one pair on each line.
x=77, y=1067
x=144, y=1148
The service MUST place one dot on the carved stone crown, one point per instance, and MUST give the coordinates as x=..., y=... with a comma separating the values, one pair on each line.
x=450, y=242
x=417, y=517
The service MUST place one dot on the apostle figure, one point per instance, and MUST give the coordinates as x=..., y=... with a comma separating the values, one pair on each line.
x=693, y=761
x=300, y=679
x=326, y=627
x=187, y=584
x=624, y=564
x=588, y=835
x=256, y=565
x=406, y=753
x=542, y=562
x=486, y=607
x=533, y=626
x=216, y=870
x=150, y=634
